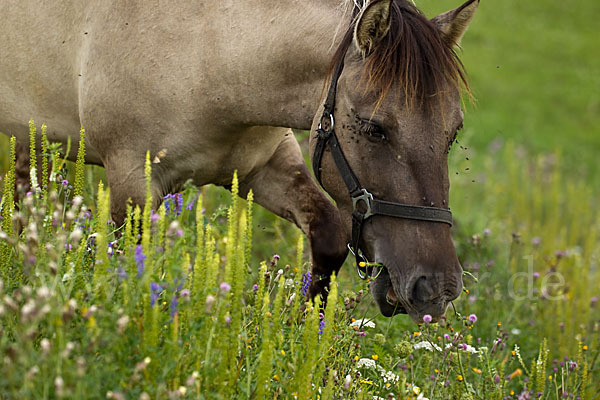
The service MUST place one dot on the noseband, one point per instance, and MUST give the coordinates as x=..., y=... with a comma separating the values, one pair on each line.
x=363, y=204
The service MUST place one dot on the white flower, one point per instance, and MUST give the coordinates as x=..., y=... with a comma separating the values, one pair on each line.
x=515, y=331
x=363, y=323
x=470, y=349
x=366, y=362
x=421, y=397
x=427, y=346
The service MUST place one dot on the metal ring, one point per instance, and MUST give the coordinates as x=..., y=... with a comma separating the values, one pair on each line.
x=330, y=118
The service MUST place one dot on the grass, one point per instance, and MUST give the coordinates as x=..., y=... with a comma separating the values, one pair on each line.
x=78, y=322
x=196, y=311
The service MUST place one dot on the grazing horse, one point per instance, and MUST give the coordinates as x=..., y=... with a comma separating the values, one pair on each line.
x=207, y=88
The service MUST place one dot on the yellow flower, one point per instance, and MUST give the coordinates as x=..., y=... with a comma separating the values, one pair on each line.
x=467, y=291
x=585, y=347
x=366, y=382
x=283, y=352
x=516, y=373
x=549, y=377
x=513, y=352
x=437, y=371
x=355, y=358
x=375, y=357
x=477, y=370
x=512, y=392
x=460, y=378
x=276, y=378
x=416, y=390
x=499, y=324
x=415, y=334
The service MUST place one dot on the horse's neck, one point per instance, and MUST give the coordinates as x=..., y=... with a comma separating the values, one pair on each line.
x=289, y=47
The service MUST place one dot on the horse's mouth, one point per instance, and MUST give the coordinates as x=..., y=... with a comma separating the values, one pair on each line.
x=393, y=301
x=385, y=296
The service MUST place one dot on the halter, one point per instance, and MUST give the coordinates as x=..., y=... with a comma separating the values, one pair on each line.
x=363, y=204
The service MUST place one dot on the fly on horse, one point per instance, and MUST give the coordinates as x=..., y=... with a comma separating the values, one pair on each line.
x=207, y=88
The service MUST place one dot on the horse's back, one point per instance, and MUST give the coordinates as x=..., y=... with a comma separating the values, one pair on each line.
x=40, y=43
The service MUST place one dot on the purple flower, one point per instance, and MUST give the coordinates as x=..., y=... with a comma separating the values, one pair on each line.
x=228, y=319
x=536, y=275
x=486, y=232
x=154, y=216
x=306, y=280
x=473, y=318
x=491, y=263
x=185, y=293
x=139, y=260
x=225, y=287
x=173, y=203
x=65, y=182
x=122, y=273
x=560, y=254
x=173, y=306
x=427, y=318
x=536, y=241
x=572, y=366
x=255, y=287
x=593, y=301
x=155, y=290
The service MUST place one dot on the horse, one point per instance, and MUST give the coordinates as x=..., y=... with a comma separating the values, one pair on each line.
x=210, y=88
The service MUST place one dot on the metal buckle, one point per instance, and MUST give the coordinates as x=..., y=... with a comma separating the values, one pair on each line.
x=331, y=121
x=363, y=272
x=367, y=198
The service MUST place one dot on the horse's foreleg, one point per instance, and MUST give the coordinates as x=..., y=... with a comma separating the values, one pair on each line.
x=284, y=186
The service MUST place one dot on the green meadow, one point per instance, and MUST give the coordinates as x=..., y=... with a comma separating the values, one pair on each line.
x=209, y=301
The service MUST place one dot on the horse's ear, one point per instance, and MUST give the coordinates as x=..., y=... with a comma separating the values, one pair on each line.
x=454, y=23
x=372, y=25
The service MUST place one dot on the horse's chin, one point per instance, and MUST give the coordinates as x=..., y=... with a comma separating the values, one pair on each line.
x=383, y=292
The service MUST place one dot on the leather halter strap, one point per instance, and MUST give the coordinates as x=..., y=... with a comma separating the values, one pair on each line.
x=363, y=204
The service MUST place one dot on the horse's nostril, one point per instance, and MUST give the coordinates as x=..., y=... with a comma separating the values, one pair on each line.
x=422, y=290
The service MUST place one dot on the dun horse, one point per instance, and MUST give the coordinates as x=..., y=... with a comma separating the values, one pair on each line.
x=207, y=86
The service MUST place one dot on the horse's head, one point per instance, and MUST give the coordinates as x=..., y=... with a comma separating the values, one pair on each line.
x=397, y=111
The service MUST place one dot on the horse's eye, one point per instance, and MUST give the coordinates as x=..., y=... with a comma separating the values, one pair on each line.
x=373, y=131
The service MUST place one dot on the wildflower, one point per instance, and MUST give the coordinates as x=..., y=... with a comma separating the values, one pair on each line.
x=403, y=349
x=210, y=300
x=227, y=319
x=321, y=323
x=426, y=345
x=496, y=379
x=516, y=372
x=347, y=382
x=363, y=323
x=536, y=275
x=491, y=263
x=477, y=371
x=585, y=347
x=379, y=339
x=225, y=287
x=139, y=260
x=276, y=378
x=155, y=290
x=173, y=306
x=255, y=288
x=154, y=216
x=375, y=357
x=416, y=390
x=65, y=182
x=185, y=293
x=572, y=366
x=536, y=241
x=427, y=318
x=306, y=280
x=486, y=232
x=366, y=382
x=473, y=318
x=416, y=334
x=366, y=362
x=593, y=301
x=460, y=378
